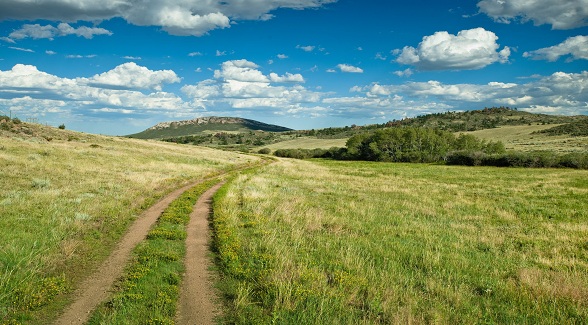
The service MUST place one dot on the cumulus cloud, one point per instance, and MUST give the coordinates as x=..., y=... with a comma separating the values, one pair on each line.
x=288, y=77
x=240, y=84
x=404, y=73
x=469, y=49
x=282, y=56
x=576, y=47
x=349, y=68
x=559, y=14
x=132, y=76
x=37, y=31
x=177, y=17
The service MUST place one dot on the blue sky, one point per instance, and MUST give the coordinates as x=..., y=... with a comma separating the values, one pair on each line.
x=119, y=66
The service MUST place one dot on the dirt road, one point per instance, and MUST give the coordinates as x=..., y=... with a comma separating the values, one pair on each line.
x=196, y=305
x=95, y=289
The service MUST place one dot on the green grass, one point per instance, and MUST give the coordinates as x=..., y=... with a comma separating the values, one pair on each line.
x=325, y=242
x=65, y=203
x=148, y=291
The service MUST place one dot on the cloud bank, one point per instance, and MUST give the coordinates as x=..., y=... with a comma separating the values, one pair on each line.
x=135, y=91
x=177, y=17
x=559, y=14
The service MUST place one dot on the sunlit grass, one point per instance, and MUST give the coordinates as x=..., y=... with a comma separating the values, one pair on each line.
x=63, y=204
x=352, y=242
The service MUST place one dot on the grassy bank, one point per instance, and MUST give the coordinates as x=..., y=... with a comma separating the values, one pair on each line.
x=314, y=242
x=65, y=199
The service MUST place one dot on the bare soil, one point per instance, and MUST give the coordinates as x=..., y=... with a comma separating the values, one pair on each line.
x=197, y=305
x=96, y=288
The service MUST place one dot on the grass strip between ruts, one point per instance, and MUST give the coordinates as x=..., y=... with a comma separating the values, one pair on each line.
x=148, y=291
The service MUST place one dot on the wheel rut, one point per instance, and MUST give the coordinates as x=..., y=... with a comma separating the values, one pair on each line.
x=96, y=288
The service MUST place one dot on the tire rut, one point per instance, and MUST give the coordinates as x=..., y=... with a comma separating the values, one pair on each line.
x=96, y=288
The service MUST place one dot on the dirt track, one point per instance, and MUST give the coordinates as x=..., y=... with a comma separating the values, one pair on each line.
x=196, y=305
x=95, y=289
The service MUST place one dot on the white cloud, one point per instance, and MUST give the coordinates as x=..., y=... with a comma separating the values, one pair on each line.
x=78, y=56
x=559, y=14
x=195, y=54
x=7, y=39
x=50, y=52
x=469, y=49
x=349, y=68
x=240, y=70
x=282, y=56
x=128, y=57
x=221, y=53
x=177, y=17
x=37, y=31
x=380, y=56
x=21, y=49
x=132, y=76
x=307, y=48
x=404, y=73
x=576, y=47
x=288, y=77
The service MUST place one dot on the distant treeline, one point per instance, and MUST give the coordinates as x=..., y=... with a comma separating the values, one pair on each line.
x=425, y=145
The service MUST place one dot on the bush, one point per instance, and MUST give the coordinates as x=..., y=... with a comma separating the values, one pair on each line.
x=265, y=151
x=16, y=120
x=62, y=127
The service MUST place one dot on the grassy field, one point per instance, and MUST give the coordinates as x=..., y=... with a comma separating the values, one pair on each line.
x=521, y=138
x=306, y=143
x=324, y=242
x=66, y=198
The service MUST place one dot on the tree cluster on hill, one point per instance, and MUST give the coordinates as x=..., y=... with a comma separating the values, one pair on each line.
x=413, y=144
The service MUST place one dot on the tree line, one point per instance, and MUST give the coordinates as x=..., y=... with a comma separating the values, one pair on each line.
x=428, y=145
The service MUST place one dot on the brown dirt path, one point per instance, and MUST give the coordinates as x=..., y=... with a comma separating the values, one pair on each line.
x=96, y=288
x=196, y=305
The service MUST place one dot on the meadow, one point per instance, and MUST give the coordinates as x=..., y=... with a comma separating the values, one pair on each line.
x=327, y=242
x=65, y=200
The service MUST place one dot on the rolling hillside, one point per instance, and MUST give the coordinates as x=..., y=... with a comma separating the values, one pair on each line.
x=205, y=125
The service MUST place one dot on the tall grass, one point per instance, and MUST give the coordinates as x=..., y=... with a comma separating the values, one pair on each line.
x=63, y=205
x=326, y=242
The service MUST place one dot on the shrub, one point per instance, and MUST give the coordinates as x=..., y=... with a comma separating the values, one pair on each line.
x=62, y=127
x=265, y=151
x=16, y=120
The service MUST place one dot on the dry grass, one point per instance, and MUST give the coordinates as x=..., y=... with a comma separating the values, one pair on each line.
x=520, y=137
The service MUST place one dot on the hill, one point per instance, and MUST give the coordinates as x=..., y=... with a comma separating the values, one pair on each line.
x=206, y=125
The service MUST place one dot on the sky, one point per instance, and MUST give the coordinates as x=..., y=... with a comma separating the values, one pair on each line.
x=117, y=67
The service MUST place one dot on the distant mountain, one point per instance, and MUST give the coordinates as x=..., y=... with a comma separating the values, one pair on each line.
x=211, y=124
